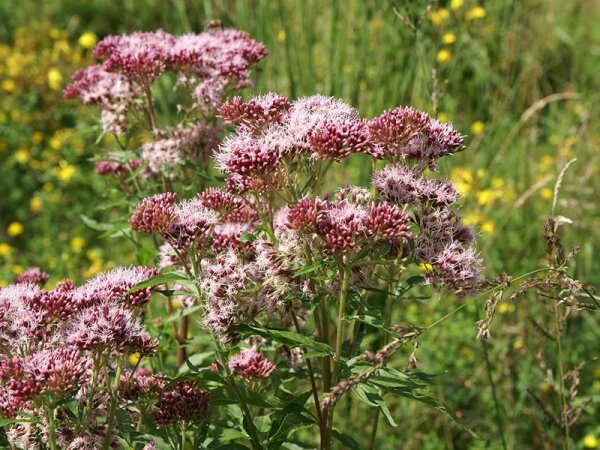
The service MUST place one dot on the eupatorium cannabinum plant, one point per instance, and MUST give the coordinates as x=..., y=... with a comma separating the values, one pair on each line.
x=280, y=287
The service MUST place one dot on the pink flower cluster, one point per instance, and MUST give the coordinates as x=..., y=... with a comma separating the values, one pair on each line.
x=213, y=63
x=251, y=364
x=407, y=133
x=182, y=402
x=344, y=226
x=49, y=338
x=33, y=275
x=272, y=131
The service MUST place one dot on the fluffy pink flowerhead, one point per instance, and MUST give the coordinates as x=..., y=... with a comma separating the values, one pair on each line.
x=386, y=222
x=338, y=140
x=33, y=275
x=108, y=327
x=55, y=304
x=246, y=155
x=250, y=364
x=191, y=225
x=257, y=112
x=341, y=226
x=141, y=56
x=404, y=186
x=154, y=214
x=58, y=371
x=409, y=133
x=95, y=86
x=113, y=285
x=303, y=215
x=182, y=402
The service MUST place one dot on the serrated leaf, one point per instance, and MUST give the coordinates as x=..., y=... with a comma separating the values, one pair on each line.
x=95, y=225
x=286, y=337
x=368, y=394
x=408, y=284
x=290, y=424
x=170, y=277
x=307, y=269
x=412, y=389
x=347, y=440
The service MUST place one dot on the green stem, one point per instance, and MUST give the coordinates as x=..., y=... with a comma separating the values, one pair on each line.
x=88, y=408
x=51, y=428
x=183, y=438
x=339, y=340
x=113, y=404
x=374, y=430
x=339, y=337
x=313, y=384
x=246, y=411
x=391, y=286
x=500, y=423
x=563, y=396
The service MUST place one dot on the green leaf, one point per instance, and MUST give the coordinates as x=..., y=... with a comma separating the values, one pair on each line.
x=170, y=277
x=408, y=387
x=95, y=225
x=307, y=269
x=408, y=284
x=290, y=424
x=286, y=337
x=347, y=440
x=368, y=394
x=192, y=363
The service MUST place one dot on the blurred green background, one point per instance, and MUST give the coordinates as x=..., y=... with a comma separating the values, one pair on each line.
x=519, y=78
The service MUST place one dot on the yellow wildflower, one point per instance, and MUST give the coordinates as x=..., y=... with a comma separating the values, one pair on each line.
x=546, y=193
x=9, y=86
x=485, y=197
x=47, y=187
x=505, y=307
x=77, y=244
x=488, y=227
x=439, y=16
x=281, y=36
x=590, y=441
x=37, y=137
x=15, y=229
x=65, y=172
x=497, y=183
x=22, y=155
x=477, y=127
x=36, y=204
x=55, y=79
x=443, y=117
x=443, y=56
x=475, y=13
x=456, y=4
x=471, y=219
x=5, y=249
x=87, y=40
x=17, y=269
x=596, y=372
x=449, y=38
x=518, y=344
x=3, y=283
